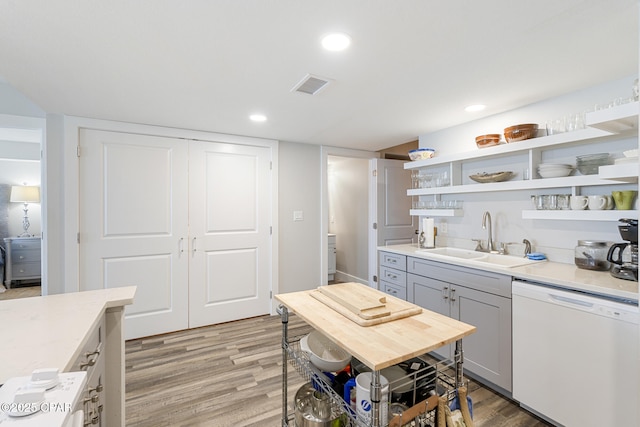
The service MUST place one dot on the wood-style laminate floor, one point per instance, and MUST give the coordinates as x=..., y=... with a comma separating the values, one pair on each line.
x=231, y=375
x=21, y=292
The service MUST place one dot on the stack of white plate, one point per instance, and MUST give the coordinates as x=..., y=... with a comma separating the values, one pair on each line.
x=630, y=156
x=554, y=170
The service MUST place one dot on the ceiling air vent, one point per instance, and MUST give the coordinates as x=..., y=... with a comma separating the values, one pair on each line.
x=310, y=84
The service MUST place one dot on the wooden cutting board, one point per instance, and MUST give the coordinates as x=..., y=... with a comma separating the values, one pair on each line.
x=364, y=305
x=357, y=300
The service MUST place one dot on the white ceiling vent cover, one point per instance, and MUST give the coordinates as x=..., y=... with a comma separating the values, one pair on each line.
x=311, y=84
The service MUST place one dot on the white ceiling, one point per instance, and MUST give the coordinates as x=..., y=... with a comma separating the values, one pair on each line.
x=411, y=69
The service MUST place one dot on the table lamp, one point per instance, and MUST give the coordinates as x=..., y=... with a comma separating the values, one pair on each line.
x=25, y=194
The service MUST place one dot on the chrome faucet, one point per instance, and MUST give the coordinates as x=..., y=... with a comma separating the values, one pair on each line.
x=486, y=225
x=527, y=247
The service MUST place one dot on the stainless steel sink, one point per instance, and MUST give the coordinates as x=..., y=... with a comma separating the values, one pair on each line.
x=478, y=257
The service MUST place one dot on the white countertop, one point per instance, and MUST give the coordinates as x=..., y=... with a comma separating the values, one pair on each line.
x=48, y=331
x=555, y=273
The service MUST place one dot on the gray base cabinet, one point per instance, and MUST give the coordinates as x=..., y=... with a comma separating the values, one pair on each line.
x=393, y=275
x=476, y=297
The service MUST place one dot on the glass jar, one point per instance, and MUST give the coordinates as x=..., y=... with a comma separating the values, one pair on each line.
x=592, y=255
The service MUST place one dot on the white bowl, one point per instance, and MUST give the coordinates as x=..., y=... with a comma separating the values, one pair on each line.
x=324, y=353
x=421, y=153
x=554, y=166
x=554, y=173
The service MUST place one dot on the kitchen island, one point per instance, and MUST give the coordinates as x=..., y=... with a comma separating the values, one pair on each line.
x=378, y=346
x=70, y=332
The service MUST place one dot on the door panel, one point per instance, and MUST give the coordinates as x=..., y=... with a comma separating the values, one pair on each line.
x=395, y=225
x=230, y=261
x=133, y=225
x=389, y=210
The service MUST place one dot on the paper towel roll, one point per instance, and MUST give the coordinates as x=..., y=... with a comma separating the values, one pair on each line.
x=429, y=235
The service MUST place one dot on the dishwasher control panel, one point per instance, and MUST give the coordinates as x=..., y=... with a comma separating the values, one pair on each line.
x=46, y=398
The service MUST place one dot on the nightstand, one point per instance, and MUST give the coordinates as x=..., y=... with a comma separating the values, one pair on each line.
x=22, y=261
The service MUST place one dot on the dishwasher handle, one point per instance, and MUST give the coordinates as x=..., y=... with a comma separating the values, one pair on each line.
x=571, y=301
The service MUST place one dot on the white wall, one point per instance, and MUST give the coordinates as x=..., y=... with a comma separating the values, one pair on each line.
x=348, y=191
x=555, y=238
x=14, y=102
x=300, y=241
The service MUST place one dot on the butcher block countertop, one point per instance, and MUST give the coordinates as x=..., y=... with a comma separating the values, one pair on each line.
x=382, y=345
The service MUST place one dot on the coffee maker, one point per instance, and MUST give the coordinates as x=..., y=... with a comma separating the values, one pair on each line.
x=625, y=266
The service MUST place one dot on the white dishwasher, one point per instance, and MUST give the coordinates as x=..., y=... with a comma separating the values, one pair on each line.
x=575, y=356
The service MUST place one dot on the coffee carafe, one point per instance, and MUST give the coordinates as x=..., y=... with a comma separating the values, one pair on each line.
x=624, y=256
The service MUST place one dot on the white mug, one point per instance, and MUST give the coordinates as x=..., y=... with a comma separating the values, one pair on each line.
x=610, y=202
x=597, y=202
x=578, y=202
x=363, y=400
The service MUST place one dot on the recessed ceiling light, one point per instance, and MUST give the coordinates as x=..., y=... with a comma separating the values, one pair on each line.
x=258, y=118
x=476, y=107
x=336, y=41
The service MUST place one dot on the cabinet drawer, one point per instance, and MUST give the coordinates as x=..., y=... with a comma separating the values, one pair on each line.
x=22, y=270
x=498, y=284
x=18, y=255
x=394, y=276
x=394, y=290
x=17, y=244
x=392, y=260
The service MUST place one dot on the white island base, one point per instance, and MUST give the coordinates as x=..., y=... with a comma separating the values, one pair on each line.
x=71, y=332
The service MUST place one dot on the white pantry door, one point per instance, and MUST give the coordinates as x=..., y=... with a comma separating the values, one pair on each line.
x=389, y=209
x=134, y=225
x=395, y=225
x=230, y=223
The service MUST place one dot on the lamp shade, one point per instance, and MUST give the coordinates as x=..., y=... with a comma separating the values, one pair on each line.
x=25, y=194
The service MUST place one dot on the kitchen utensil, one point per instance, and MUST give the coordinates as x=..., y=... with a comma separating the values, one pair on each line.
x=397, y=307
x=488, y=140
x=624, y=256
x=592, y=255
x=624, y=199
x=589, y=164
x=520, y=132
x=363, y=304
x=597, y=202
x=578, y=202
x=422, y=153
x=314, y=409
x=552, y=170
x=324, y=353
x=485, y=177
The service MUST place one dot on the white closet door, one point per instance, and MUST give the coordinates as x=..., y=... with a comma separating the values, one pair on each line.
x=230, y=242
x=134, y=225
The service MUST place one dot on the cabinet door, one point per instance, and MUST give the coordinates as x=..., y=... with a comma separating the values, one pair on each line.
x=487, y=352
x=432, y=295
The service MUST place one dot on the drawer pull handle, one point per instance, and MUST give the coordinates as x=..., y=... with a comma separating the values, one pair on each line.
x=391, y=291
x=392, y=276
x=445, y=294
x=453, y=297
x=97, y=389
x=95, y=352
x=90, y=362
